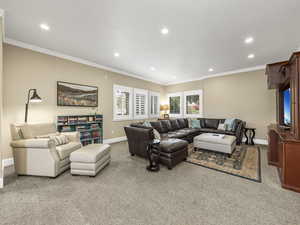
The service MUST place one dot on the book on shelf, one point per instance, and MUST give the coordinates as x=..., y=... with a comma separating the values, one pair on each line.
x=66, y=129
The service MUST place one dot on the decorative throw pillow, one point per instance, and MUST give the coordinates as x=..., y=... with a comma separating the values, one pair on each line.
x=147, y=124
x=189, y=122
x=156, y=134
x=195, y=123
x=59, y=139
x=48, y=135
x=221, y=126
x=229, y=124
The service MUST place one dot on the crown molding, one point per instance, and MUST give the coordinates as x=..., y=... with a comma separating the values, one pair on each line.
x=73, y=59
x=92, y=64
x=261, y=67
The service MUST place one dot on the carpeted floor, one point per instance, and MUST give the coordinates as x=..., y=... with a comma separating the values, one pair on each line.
x=125, y=193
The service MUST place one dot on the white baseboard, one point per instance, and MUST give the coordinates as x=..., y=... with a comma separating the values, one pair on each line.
x=115, y=140
x=259, y=141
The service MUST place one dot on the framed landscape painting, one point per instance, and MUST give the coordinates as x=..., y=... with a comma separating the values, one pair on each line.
x=69, y=94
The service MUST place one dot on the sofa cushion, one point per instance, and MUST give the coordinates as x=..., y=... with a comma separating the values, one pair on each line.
x=34, y=130
x=64, y=151
x=176, y=134
x=181, y=123
x=175, y=124
x=189, y=131
x=140, y=125
x=158, y=126
x=166, y=125
x=172, y=145
x=211, y=123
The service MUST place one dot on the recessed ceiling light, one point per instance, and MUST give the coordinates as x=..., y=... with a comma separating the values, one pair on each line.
x=164, y=31
x=211, y=70
x=44, y=26
x=152, y=68
x=251, y=56
x=249, y=40
x=174, y=77
x=117, y=54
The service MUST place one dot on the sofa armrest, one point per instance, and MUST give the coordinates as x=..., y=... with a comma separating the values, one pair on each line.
x=33, y=143
x=72, y=136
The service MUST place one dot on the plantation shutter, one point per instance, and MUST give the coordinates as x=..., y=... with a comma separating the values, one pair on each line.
x=122, y=102
x=140, y=103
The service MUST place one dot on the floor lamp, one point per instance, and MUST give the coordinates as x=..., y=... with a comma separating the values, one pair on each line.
x=31, y=98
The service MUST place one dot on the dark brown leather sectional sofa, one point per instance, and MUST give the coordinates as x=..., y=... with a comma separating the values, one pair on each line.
x=176, y=135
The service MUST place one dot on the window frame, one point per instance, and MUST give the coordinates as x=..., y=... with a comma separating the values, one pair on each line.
x=154, y=94
x=127, y=89
x=189, y=93
x=177, y=94
x=143, y=92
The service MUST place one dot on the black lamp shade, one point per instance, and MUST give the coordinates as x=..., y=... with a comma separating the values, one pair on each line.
x=35, y=97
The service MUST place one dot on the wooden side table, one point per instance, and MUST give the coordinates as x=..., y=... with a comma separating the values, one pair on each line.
x=250, y=138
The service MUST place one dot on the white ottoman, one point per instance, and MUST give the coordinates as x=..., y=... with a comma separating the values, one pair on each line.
x=210, y=141
x=90, y=159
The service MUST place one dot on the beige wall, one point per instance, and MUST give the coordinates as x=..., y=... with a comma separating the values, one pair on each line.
x=243, y=96
x=1, y=99
x=24, y=69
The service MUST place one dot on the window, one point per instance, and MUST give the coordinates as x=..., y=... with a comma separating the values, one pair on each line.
x=140, y=104
x=154, y=104
x=122, y=103
x=175, y=104
x=193, y=103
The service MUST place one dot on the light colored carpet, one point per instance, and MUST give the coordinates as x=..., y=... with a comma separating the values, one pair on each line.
x=125, y=193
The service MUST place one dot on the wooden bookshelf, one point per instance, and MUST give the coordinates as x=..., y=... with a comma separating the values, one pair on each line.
x=89, y=126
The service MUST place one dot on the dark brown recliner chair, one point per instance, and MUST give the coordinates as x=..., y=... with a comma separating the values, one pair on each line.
x=172, y=151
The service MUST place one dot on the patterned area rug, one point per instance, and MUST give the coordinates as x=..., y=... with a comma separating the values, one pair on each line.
x=244, y=162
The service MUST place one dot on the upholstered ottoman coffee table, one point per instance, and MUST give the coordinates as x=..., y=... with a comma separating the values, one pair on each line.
x=215, y=142
x=90, y=159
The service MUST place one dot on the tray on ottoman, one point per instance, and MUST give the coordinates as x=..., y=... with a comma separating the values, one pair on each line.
x=215, y=142
x=90, y=159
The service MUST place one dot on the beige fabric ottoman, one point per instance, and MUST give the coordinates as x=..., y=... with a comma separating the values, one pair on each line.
x=215, y=142
x=90, y=159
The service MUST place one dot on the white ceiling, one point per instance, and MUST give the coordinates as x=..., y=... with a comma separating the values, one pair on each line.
x=202, y=34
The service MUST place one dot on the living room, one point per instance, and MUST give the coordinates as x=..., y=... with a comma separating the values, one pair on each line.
x=156, y=70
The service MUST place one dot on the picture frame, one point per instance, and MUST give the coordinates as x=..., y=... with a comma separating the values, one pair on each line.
x=76, y=95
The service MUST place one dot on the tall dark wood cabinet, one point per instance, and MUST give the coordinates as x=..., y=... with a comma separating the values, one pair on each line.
x=284, y=142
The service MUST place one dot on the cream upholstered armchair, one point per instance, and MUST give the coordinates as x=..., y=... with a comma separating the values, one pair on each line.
x=37, y=154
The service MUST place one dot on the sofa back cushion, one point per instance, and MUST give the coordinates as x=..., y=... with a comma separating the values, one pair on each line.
x=34, y=130
x=166, y=125
x=140, y=125
x=174, y=124
x=158, y=126
x=211, y=123
x=182, y=123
